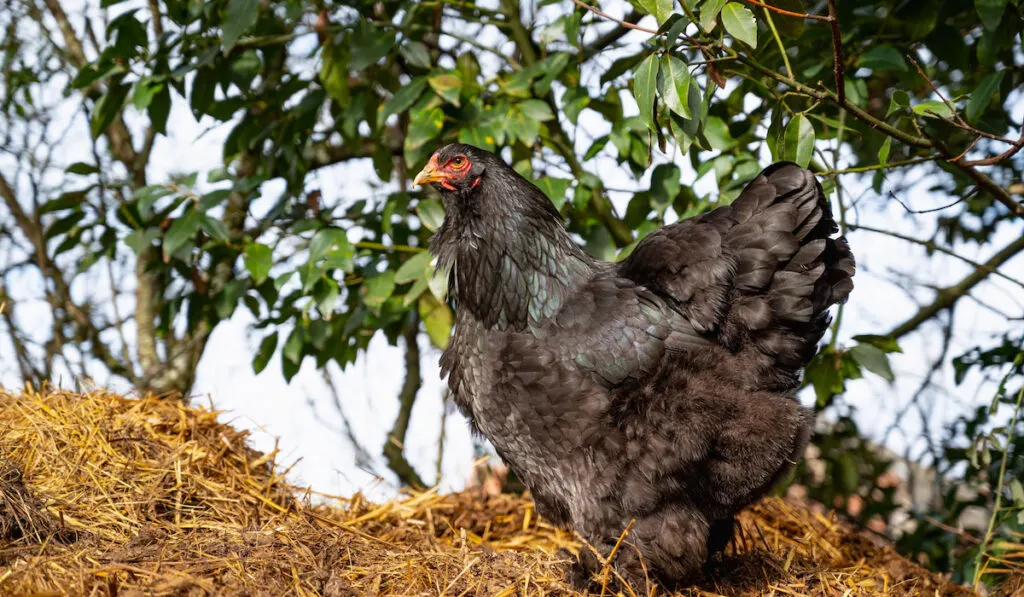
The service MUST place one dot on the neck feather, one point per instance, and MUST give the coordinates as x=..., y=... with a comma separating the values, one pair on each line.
x=509, y=270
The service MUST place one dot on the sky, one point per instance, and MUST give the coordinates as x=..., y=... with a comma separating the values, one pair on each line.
x=302, y=418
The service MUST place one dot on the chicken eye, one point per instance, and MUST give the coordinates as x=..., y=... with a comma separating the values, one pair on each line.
x=458, y=161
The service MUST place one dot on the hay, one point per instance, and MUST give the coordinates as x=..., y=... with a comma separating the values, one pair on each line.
x=119, y=496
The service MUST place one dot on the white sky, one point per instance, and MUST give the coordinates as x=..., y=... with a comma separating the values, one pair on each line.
x=303, y=421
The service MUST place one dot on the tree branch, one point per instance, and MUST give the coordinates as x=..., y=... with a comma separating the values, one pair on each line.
x=838, y=66
x=61, y=299
x=790, y=13
x=610, y=37
x=932, y=246
x=948, y=296
x=394, y=448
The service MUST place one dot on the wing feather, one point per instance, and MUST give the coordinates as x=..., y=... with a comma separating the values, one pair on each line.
x=759, y=274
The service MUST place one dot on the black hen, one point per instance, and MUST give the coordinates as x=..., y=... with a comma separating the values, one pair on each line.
x=658, y=388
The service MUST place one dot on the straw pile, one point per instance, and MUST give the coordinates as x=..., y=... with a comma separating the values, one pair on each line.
x=105, y=495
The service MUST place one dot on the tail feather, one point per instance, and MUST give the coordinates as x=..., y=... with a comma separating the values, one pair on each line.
x=813, y=270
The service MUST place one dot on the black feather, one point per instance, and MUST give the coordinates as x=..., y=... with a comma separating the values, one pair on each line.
x=656, y=389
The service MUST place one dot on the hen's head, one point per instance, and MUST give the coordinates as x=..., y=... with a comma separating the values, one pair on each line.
x=456, y=167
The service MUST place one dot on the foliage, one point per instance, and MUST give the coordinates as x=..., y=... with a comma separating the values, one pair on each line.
x=888, y=95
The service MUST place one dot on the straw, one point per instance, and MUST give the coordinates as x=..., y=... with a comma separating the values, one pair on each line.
x=106, y=495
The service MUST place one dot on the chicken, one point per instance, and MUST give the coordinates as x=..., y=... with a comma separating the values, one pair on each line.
x=658, y=389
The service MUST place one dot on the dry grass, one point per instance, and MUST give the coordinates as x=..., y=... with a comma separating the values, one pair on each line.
x=105, y=495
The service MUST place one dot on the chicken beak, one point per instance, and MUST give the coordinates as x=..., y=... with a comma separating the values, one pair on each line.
x=429, y=173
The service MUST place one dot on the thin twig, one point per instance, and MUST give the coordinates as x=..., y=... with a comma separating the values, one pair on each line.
x=885, y=166
x=789, y=13
x=838, y=68
x=1009, y=153
x=958, y=532
x=931, y=246
x=998, y=490
x=925, y=211
x=958, y=120
x=948, y=103
x=778, y=41
x=621, y=23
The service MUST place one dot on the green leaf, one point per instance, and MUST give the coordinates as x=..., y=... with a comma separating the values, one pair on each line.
x=144, y=91
x=325, y=294
x=775, y=136
x=437, y=319
x=430, y=213
x=674, y=26
x=933, y=109
x=334, y=72
x=448, y=86
x=227, y=300
x=82, y=169
x=522, y=127
x=213, y=199
x=823, y=373
x=415, y=291
x=740, y=23
x=258, y=260
x=1017, y=491
x=982, y=95
x=438, y=284
x=900, y=100
x=147, y=196
x=550, y=69
x=665, y=185
x=717, y=133
x=873, y=359
x=991, y=12
x=574, y=100
x=239, y=17
x=369, y=45
x=485, y=136
x=90, y=73
x=105, y=110
x=266, y=350
x=414, y=268
x=659, y=9
x=340, y=257
x=64, y=224
x=180, y=231
x=377, y=289
x=139, y=240
x=620, y=67
x=555, y=189
x=468, y=68
x=405, y=97
x=883, y=151
x=884, y=343
x=856, y=91
x=798, y=141
x=536, y=109
x=709, y=12
x=292, y=350
x=160, y=109
x=325, y=240
x=793, y=28
x=675, y=78
x=416, y=54
x=645, y=84
x=882, y=58
x=204, y=87
x=214, y=227
x=424, y=127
